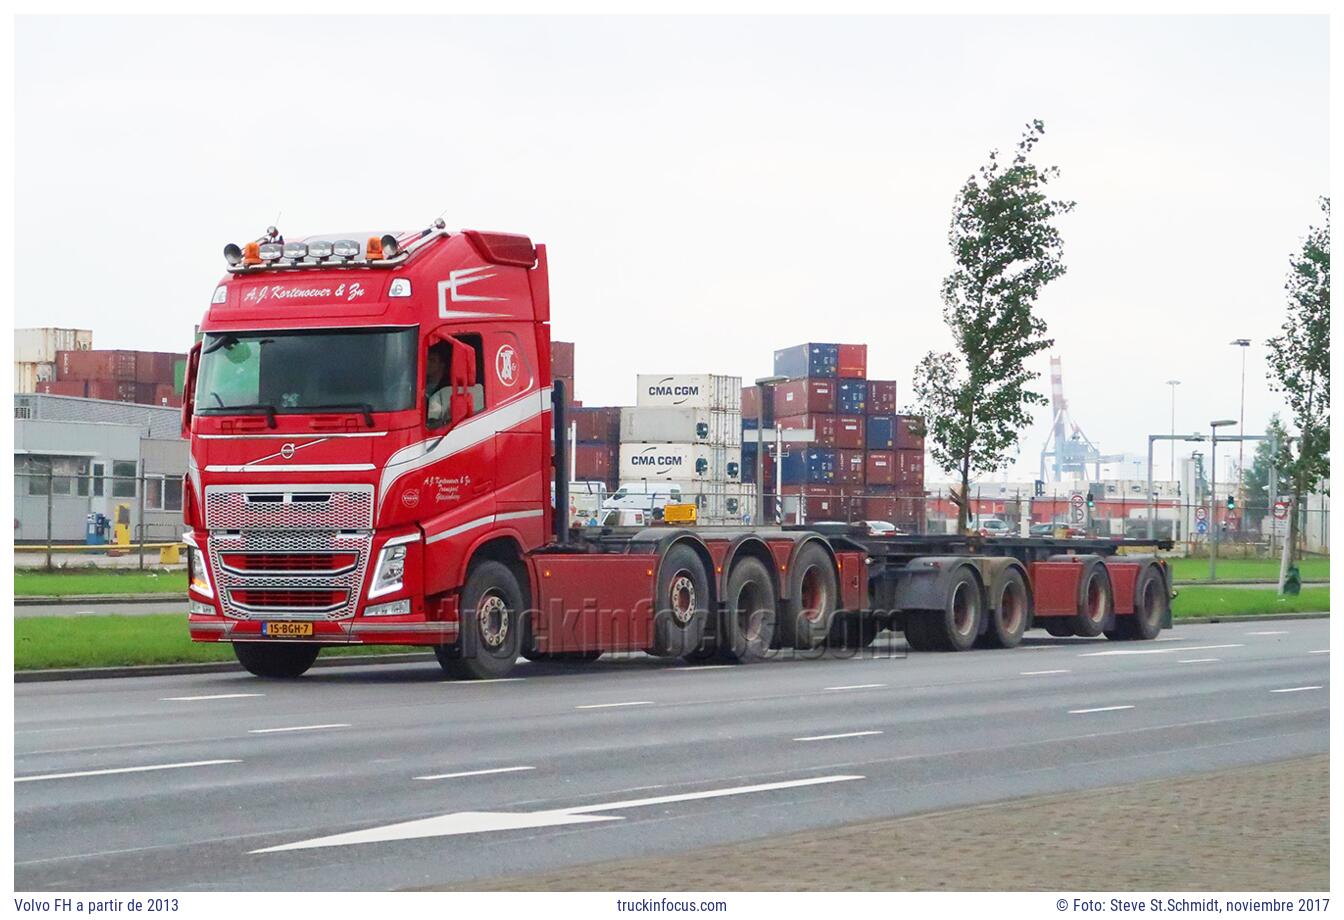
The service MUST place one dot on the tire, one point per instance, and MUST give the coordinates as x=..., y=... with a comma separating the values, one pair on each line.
x=1009, y=610
x=276, y=659
x=1059, y=627
x=1150, y=608
x=490, y=617
x=748, y=621
x=805, y=617
x=956, y=626
x=853, y=631
x=681, y=604
x=917, y=630
x=1096, y=602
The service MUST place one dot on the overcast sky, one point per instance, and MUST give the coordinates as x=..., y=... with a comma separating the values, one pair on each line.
x=710, y=189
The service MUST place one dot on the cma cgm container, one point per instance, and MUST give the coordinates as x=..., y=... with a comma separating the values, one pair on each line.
x=812, y=359
x=798, y=397
x=851, y=396
x=909, y=433
x=881, y=397
x=822, y=425
x=690, y=391
x=692, y=426
x=680, y=462
x=852, y=361
x=808, y=465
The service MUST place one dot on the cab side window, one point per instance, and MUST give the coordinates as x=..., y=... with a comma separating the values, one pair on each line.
x=454, y=380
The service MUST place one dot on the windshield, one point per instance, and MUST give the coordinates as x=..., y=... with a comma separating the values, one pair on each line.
x=370, y=370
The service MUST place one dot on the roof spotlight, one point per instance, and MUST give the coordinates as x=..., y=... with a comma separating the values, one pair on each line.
x=269, y=252
x=389, y=246
x=319, y=249
x=233, y=254
x=295, y=251
x=345, y=248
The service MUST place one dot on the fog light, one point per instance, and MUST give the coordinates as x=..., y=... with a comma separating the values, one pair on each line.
x=393, y=609
x=201, y=610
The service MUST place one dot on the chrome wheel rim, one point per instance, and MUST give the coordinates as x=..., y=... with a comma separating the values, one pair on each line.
x=681, y=598
x=492, y=618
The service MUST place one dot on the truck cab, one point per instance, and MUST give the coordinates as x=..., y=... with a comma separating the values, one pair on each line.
x=365, y=412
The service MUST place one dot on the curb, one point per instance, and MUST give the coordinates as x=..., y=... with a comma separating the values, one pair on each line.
x=54, y=600
x=208, y=667
x=1240, y=582
x=1250, y=618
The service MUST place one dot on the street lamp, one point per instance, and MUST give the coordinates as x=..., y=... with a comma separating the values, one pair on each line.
x=765, y=386
x=1213, y=494
x=1152, y=502
x=1173, y=384
x=1241, y=424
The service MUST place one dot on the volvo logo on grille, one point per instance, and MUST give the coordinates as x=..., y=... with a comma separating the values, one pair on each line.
x=287, y=451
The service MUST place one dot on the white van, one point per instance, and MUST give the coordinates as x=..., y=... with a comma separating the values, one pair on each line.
x=645, y=495
x=585, y=503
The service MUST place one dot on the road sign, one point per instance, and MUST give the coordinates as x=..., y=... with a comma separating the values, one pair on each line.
x=1201, y=513
x=1077, y=508
x=1201, y=526
x=1281, y=510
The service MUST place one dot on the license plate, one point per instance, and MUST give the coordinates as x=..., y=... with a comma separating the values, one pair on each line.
x=286, y=630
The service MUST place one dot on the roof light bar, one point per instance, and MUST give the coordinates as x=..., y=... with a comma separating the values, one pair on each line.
x=295, y=251
x=269, y=252
x=345, y=248
x=320, y=249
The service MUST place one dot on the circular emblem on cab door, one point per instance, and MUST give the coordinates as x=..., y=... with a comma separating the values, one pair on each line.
x=287, y=451
x=410, y=498
x=506, y=365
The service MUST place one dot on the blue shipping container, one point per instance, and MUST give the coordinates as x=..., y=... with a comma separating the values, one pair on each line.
x=851, y=397
x=812, y=359
x=881, y=432
x=813, y=465
x=750, y=424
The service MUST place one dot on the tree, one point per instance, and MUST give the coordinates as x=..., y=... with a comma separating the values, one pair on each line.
x=1299, y=365
x=975, y=397
x=1256, y=480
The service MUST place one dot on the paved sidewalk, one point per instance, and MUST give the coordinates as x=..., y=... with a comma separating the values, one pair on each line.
x=1260, y=828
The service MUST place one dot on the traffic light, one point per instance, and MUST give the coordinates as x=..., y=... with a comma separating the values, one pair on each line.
x=1091, y=502
x=1040, y=488
x=1231, y=503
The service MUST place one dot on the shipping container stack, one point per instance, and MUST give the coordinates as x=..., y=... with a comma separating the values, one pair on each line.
x=866, y=462
x=596, y=430
x=35, y=353
x=146, y=377
x=687, y=429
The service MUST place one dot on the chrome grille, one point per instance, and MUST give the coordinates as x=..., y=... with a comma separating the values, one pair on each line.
x=292, y=541
x=293, y=507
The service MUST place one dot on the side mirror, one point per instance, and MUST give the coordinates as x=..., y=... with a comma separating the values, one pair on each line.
x=461, y=376
x=189, y=388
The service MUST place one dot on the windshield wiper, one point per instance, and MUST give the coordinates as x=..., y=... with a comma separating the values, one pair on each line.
x=224, y=341
x=365, y=408
x=250, y=407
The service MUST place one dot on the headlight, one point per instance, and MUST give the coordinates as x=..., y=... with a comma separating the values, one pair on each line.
x=391, y=566
x=198, y=573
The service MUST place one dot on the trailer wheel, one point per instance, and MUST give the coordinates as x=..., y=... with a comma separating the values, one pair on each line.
x=748, y=621
x=1009, y=610
x=805, y=617
x=1150, y=608
x=1096, y=603
x=491, y=608
x=681, y=604
x=276, y=659
x=955, y=627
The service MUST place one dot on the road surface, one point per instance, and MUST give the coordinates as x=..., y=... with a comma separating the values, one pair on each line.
x=391, y=777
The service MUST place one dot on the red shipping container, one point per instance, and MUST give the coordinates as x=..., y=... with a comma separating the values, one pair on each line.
x=910, y=468
x=798, y=397
x=881, y=397
x=853, y=361
x=61, y=387
x=821, y=503
x=569, y=389
x=597, y=423
x=154, y=366
x=84, y=365
x=849, y=432
x=849, y=467
x=165, y=396
x=881, y=468
x=595, y=460
x=823, y=427
x=751, y=402
x=880, y=507
x=562, y=359
x=909, y=432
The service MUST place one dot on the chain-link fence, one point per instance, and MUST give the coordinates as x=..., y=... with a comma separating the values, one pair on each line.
x=69, y=505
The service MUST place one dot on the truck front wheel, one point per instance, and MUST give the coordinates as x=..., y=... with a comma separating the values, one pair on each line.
x=489, y=625
x=276, y=659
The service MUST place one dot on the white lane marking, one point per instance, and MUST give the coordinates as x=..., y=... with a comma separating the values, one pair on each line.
x=1170, y=639
x=1160, y=651
x=615, y=705
x=857, y=687
x=1268, y=632
x=212, y=696
x=491, y=680
x=698, y=667
x=475, y=822
x=831, y=737
x=1079, y=712
x=476, y=773
x=157, y=766
x=1052, y=671
x=1297, y=689
x=1319, y=651
x=296, y=728
x=1197, y=660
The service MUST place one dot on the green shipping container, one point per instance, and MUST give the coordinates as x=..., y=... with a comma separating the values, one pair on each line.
x=179, y=375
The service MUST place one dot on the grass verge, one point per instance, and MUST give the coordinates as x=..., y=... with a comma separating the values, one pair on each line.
x=1212, y=601
x=105, y=641
x=1192, y=570
x=96, y=581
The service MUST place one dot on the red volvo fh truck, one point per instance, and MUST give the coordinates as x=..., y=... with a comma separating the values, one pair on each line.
x=377, y=453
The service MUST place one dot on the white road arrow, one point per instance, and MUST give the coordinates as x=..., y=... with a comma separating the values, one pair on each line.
x=478, y=822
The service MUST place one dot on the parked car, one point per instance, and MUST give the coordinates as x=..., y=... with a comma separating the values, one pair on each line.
x=993, y=527
x=879, y=528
